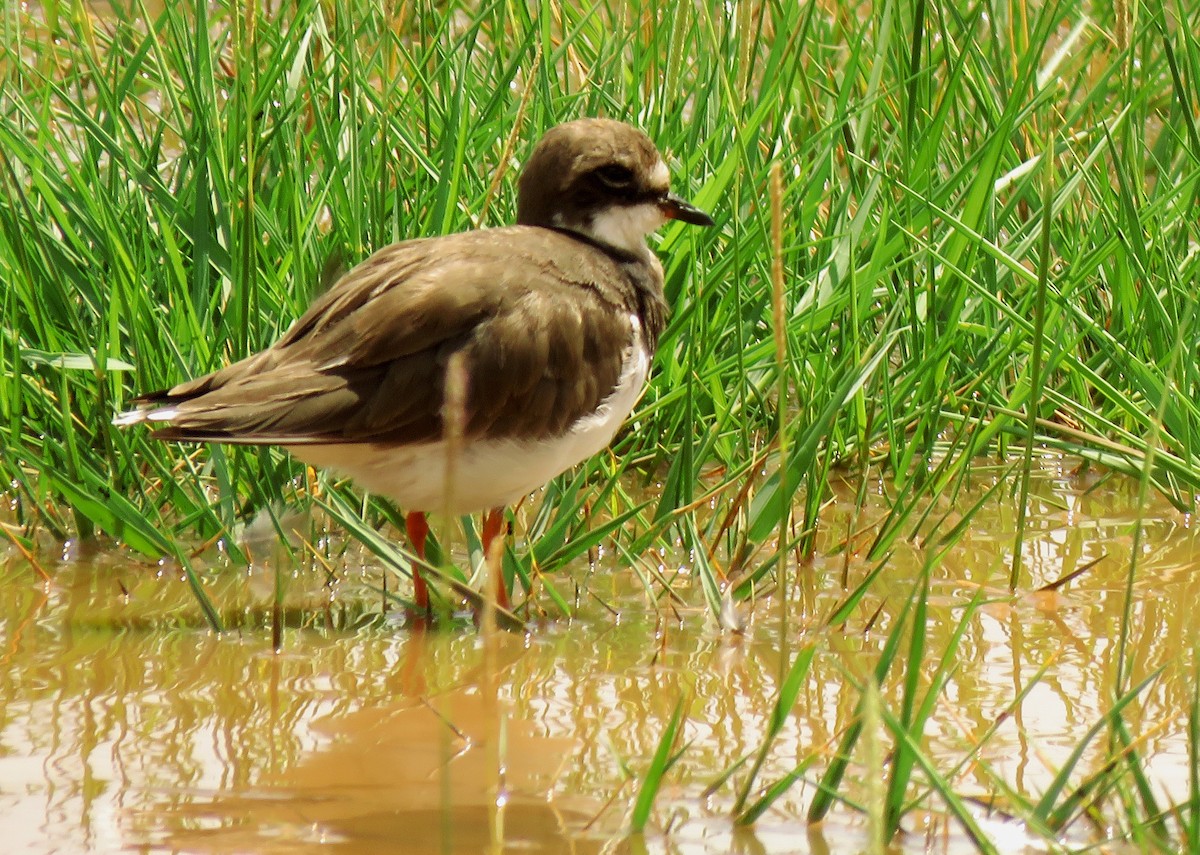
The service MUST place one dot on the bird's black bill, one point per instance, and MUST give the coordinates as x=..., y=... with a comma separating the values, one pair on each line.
x=675, y=208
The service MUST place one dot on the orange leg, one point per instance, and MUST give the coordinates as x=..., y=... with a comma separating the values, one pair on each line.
x=493, y=524
x=417, y=527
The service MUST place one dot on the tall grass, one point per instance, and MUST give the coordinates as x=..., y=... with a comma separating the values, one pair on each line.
x=176, y=183
x=988, y=245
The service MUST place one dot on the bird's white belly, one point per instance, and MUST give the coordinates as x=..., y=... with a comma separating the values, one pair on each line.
x=487, y=473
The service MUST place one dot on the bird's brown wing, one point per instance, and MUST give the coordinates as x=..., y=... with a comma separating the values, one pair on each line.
x=542, y=320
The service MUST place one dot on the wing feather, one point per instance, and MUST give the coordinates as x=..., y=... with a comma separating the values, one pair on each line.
x=543, y=322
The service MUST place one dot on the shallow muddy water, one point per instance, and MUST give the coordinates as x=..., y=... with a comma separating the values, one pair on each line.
x=125, y=726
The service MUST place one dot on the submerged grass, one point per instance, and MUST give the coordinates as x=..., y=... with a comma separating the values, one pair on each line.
x=987, y=244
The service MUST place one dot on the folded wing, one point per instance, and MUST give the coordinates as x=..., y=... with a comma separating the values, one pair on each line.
x=543, y=344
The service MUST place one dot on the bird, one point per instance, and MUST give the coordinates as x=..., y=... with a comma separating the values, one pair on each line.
x=552, y=321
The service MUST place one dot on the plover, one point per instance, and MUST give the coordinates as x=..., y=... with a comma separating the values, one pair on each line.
x=554, y=321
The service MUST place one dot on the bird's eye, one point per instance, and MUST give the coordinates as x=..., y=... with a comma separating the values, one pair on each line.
x=615, y=176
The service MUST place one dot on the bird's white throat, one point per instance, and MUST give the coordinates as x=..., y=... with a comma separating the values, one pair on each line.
x=625, y=227
x=622, y=227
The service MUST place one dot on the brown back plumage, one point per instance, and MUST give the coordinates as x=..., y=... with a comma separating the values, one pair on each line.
x=543, y=314
x=541, y=317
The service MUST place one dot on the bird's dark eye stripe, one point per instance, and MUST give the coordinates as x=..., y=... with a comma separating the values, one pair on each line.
x=615, y=175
